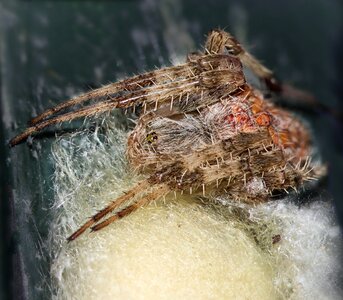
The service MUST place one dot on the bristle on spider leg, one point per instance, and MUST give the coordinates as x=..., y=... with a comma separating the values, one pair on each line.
x=180, y=98
x=171, y=102
x=187, y=99
x=308, y=162
x=297, y=166
x=169, y=77
x=302, y=168
x=308, y=171
x=309, y=178
x=191, y=71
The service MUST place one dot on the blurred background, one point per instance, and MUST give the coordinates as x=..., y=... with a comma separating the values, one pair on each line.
x=52, y=50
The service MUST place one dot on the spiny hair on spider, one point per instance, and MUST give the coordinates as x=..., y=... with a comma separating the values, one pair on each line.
x=202, y=127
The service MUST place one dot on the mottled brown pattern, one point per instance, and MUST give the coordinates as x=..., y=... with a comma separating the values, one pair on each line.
x=203, y=128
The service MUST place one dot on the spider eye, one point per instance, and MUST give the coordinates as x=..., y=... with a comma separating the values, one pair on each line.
x=151, y=137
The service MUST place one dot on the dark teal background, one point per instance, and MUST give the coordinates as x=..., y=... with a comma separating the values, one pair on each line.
x=51, y=50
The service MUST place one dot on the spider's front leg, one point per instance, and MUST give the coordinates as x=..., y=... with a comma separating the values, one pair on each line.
x=219, y=41
x=209, y=78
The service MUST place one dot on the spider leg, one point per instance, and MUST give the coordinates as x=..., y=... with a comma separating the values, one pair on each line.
x=94, y=109
x=223, y=79
x=145, y=83
x=220, y=41
x=231, y=157
x=158, y=192
x=132, y=84
x=88, y=111
x=248, y=162
x=293, y=95
x=140, y=187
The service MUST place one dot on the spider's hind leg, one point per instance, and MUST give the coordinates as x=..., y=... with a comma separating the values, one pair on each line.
x=139, y=188
x=157, y=192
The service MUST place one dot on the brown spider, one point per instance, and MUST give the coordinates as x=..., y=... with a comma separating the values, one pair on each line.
x=202, y=128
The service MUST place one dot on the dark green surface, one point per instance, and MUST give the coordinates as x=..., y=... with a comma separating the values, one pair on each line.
x=51, y=50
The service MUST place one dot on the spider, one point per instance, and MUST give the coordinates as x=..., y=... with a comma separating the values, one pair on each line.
x=202, y=128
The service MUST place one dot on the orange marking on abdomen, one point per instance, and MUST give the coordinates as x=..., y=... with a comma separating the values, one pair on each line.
x=263, y=119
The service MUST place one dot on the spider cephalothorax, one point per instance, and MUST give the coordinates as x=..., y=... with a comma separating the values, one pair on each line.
x=202, y=128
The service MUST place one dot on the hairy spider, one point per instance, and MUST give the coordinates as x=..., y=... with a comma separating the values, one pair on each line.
x=202, y=127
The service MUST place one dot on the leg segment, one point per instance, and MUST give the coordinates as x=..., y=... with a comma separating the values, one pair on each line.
x=158, y=192
x=220, y=41
x=138, y=189
x=133, y=84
